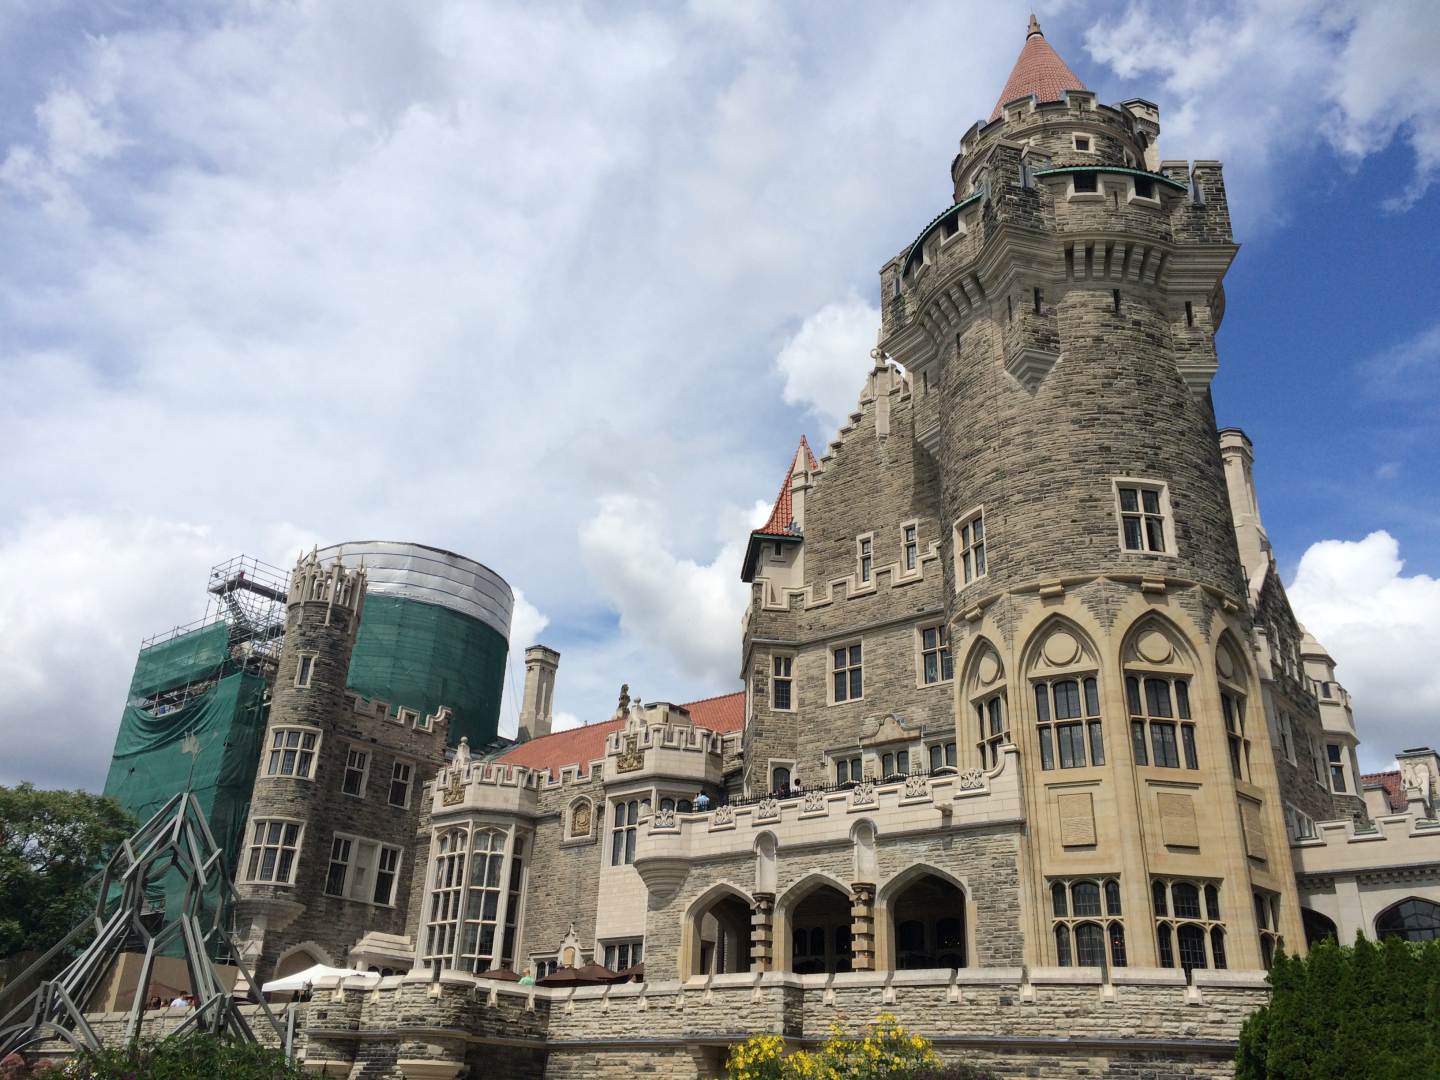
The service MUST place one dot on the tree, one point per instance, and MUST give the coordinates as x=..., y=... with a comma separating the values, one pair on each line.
x=1368, y=1010
x=51, y=843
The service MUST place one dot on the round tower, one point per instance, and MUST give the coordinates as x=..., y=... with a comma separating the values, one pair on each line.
x=298, y=767
x=1058, y=321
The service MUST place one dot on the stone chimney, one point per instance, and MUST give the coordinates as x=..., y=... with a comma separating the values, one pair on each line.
x=540, y=665
x=1239, y=459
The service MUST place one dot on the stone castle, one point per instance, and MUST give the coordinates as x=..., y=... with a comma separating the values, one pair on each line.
x=1031, y=751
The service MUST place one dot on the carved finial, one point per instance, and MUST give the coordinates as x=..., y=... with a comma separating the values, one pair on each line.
x=1034, y=27
x=624, y=697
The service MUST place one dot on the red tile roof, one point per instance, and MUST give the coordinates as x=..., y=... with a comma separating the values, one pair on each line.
x=782, y=517
x=582, y=745
x=1039, y=71
x=1390, y=781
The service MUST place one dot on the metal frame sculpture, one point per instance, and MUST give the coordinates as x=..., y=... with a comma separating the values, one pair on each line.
x=176, y=839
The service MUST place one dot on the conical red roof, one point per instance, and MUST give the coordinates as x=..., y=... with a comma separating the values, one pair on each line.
x=782, y=517
x=1038, y=71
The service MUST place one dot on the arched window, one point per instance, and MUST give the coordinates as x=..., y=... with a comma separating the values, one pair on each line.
x=1232, y=707
x=780, y=780
x=1413, y=919
x=1188, y=924
x=1317, y=927
x=1088, y=928
x=985, y=686
x=1157, y=697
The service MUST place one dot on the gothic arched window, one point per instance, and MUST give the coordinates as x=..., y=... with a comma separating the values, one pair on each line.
x=1413, y=919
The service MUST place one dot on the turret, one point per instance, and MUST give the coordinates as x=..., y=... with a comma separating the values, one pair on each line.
x=535, y=708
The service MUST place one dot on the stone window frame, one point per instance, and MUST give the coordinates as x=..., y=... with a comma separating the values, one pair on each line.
x=1317, y=766
x=1232, y=716
x=272, y=751
x=831, y=649
x=295, y=847
x=1109, y=918
x=1133, y=195
x=941, y=650
x=991, y=740
x=305, y=670
x=1339, y=760
x=409, y=783
x=633, y=952
x=1089, y=720
x=443, y=902
x=1267, y=922
x=910, y=547
x=788, y=677
x=865, y=565
x=1182, y=717
x=347, y=768
x=875, y=759
x=949, y=748
x=381, y=847
x=623, y=828
x=1166, y=515
x=1286, y=731
x=1169, y=923
x=854, y=761
x=968, y=569
x=1300, y=825
x=772, y=764
x=1088, y=148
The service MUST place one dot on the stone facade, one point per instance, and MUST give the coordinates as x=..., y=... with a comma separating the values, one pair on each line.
x=1031, y=749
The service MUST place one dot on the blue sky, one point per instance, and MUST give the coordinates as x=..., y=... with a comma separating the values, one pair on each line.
x=558, y=287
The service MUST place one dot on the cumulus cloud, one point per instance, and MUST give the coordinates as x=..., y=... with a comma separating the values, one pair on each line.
x=1383, y=628
x=825, y=362
x=1258, y=83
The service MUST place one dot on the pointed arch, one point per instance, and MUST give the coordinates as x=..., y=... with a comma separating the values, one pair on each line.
x=298, y=957
x=862, y=839
x=1415, y=919
x=715, y=932
x=766, y=847
x=985, y=703
x=1233, y=682
x=812, y=925
x=924, y=918
x=1159, y=663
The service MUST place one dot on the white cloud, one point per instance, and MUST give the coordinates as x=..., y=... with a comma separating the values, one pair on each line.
x=1383, y=628
x=827, y=359
x=1259, y=83
x=78, y=592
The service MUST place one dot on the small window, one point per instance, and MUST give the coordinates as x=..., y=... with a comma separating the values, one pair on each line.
x=847, y=675
x=1144, y=516
x=936, y=664
x=781, y=683
x=400, y=778
x=1084, y=183
x=865, y=553
x=1337, y=767
x=910, y=538
x=942, y=756
x=1232, y=706
x=1144, y=187
x=303, y=672
x=848, y=770
x=1082, y=143
x=620, y=955
x=1189, y=313
x=994, y=728
x=1115, y=300
x=1039, y=299
x=970, y=553
x=780, y=780
x=357, y=766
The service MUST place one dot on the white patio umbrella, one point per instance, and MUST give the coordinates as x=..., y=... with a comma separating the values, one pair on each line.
x=310, y=975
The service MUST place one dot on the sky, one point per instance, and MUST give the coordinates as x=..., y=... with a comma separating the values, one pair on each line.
x=558, y=286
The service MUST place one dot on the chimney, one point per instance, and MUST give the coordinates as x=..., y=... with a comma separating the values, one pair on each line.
x=540, y=665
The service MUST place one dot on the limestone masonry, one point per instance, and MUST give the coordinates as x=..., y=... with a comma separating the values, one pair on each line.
x=1031, y=751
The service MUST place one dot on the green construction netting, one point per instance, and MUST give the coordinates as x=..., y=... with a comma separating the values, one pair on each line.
x=423, y=656
x=187, y=658
x=150, y=763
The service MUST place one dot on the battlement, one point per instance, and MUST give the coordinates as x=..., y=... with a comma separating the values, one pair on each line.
x=1396, y=843
x=436, y=723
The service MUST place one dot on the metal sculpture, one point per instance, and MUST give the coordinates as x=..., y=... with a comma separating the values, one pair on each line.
x=176, y=839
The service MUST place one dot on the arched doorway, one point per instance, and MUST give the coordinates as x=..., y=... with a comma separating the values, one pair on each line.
x=720, y=936
x=1317, y=927
x=1413, y=919
x=819, y=931
x=297, y=960
x=927, y=924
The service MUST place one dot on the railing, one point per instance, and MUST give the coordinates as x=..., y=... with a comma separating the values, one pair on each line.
x=848, y=785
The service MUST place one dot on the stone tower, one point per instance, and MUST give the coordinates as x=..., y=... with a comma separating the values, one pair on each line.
x=535, y=708
x=1057, y=321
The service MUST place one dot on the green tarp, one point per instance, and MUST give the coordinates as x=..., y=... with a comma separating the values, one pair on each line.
x=150, y=764
x=423, y=656
x=188, y=658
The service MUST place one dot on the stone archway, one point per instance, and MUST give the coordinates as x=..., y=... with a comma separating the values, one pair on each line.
x=926, y=923
x=817, y=937
x=717, y=934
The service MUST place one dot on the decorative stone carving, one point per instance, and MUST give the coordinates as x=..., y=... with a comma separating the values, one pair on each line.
x=454, y=791
x=972, y=780
x=580, y=819
x=631, y=757
x=767, y=808
x=863, y=795
x=664, y=819
x=814, y=802
x=1154, y=647
x=1061, y=648
x=916, y=787
x=724, y=815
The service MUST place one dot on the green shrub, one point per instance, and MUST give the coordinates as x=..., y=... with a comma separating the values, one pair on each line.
x=1368, y=1010
x=189, y=1057
x=884, y=1050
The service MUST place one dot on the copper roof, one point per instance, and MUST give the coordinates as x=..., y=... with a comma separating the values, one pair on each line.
x=582, y=745
x=1039, y=71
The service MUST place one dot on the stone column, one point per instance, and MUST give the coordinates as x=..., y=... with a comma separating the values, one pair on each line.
x=862, y=926
x=762, y=932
